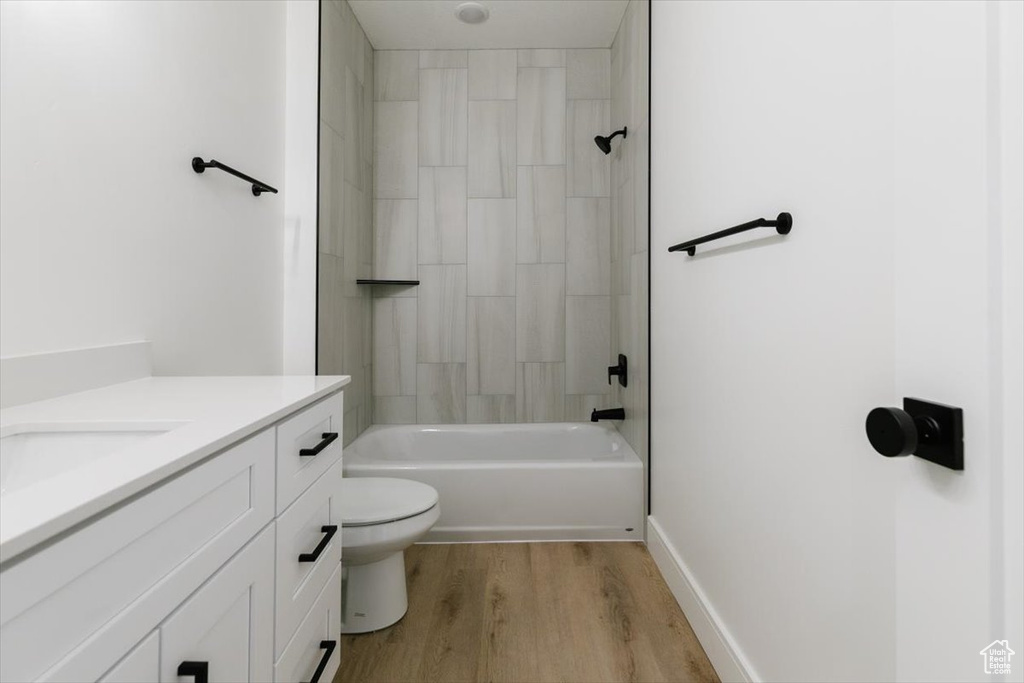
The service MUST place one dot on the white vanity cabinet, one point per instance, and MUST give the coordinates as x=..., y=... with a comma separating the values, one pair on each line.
x=141, y=665
x=227, y=572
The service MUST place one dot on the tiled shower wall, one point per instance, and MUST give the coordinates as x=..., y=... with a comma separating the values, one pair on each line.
x=489, y=190
x=345, y=251
x=629, y=181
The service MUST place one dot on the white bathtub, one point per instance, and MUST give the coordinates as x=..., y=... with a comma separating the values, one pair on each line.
x=517, y=482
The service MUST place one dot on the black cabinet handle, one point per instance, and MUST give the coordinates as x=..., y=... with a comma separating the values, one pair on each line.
x=327, y=439
x=329, y=530
x=328, y=647
x=200, y=671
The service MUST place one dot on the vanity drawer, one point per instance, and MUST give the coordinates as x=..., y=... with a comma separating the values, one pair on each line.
x=309, y=432
x=94, y=592
x=308, y=552
x=312, y=641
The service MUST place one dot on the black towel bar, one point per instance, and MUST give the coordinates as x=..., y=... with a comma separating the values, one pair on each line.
x=783, y=224
x=258, y=186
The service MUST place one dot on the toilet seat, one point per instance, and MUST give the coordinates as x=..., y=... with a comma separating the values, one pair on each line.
x=366, y=501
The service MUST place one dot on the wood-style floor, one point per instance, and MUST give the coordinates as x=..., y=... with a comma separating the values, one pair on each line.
x=531, y=612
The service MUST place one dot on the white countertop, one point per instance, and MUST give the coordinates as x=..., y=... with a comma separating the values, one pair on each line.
x=218, y=411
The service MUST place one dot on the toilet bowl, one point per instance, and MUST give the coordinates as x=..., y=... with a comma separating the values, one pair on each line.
x=380, y=518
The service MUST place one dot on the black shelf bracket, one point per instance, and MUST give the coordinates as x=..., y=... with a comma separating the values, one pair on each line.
x=782, y=224
x=258, y=186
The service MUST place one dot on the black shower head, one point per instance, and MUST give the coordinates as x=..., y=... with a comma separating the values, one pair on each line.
x=605, y=143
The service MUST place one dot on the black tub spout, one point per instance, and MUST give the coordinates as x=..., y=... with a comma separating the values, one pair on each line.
x=608, y=414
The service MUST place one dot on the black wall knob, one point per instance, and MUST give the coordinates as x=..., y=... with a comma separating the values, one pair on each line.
x=929, y=430
x=891, y=432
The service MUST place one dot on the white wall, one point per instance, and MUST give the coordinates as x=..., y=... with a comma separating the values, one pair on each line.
x=759, y=108
x=813, y=556
x=106, y=234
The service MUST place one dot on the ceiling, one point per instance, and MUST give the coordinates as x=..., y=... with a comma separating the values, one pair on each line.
x=431, y=24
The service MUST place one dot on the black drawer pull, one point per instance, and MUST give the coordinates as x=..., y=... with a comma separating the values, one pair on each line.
x=328, y=647
x=329, y=531
x=328, y=439
x=200, y=671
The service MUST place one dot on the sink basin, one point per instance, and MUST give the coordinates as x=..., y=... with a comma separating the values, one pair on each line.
x=33, y=453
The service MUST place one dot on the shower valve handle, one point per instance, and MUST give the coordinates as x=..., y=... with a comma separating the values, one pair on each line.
x=620, y=370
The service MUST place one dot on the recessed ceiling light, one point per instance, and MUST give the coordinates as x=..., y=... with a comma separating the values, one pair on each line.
x=472, y=13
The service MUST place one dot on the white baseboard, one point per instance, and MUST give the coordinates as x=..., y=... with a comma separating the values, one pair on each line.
x=39, y=376
x=721, y=648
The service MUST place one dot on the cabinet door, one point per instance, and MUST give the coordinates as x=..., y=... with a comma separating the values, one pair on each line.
x=141, y=665
x=227, y=626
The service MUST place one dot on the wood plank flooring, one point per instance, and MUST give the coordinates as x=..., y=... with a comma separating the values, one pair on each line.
x=531, y=612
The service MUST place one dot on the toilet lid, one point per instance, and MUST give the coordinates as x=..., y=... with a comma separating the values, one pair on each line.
x=376, y=500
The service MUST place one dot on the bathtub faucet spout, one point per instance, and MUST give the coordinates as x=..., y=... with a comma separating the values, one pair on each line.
x=608, y=414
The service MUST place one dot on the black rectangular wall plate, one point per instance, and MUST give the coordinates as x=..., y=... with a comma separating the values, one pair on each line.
x=948, y=449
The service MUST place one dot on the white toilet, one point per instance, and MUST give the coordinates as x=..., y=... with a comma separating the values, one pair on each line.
x=380, y=518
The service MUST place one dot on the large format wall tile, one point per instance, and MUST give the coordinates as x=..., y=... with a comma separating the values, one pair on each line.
x=344, y=310
x=492, y=247
x=442, y=117
x=332, y=70
x=492, y=149
x=490, y=409
x=358, y=229
x=396, y=75
x=331, y=218
x=353, y=357
x=442, y=214
x=500, y=139
x=491, y=345
x=394, y=410
x=588, y=74
x=540, y=214
x=354, y=42
x=541, y=57
x=588, y=323
x=540, y=114
x=443, y=59
x=394, y=351
x=492, y=74
x=330, y=316
x=579, y=406
x=353, y=130
x=622, y=218
x=588, y=250
x=394, y=229
x=641, y=183
x=540, y=312
x=441, y=336
x=588, y=168
x=395, y=135
x=366, y=133
x=540, y=392
x=441, y=393
x=629, y=227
